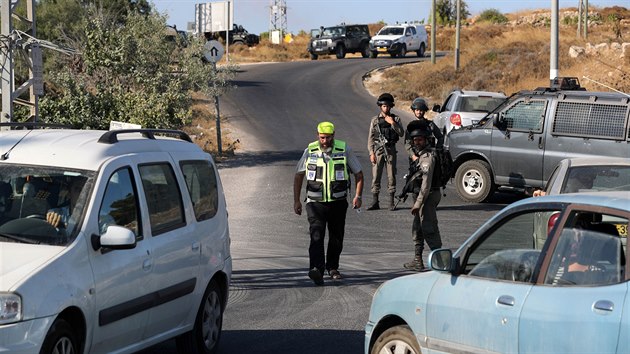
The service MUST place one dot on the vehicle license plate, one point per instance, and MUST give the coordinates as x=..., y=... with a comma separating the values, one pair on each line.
x=382, y=49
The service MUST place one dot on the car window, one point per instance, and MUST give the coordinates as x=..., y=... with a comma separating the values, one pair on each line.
x=596, y=178
x=525, y=115
x=552, y=179
x=509, y=251
x=589, y=252
x=591, y=120
x=449, y=103
x=201, y=183
x=166, y=211
x=120, y=203
x=478, y=104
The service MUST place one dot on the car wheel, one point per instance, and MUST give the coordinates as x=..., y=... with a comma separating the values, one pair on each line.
x=398, y=339
x=204, y=338
x=420, y=51
x=403, y=52
x=473, y=181
x=365, y=50
x=340, y=51
x=313, y=56
x=60, y=339
x=373, y=54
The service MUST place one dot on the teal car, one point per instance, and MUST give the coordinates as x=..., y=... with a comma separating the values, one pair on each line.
x=504, y=291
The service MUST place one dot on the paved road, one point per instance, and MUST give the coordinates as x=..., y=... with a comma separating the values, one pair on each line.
x=273, y=306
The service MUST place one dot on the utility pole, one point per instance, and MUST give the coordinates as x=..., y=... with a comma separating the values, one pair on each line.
x=579, y=21
x=586, y=19
x=457, y=29
x=553, y=54
x=11, y=41
x=433, y=21
x=278, y=16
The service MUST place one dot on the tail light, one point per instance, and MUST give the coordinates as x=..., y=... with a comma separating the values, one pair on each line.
x=552, y=221
x=456, y=119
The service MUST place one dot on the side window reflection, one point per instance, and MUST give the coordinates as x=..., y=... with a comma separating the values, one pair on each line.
x=120, y=203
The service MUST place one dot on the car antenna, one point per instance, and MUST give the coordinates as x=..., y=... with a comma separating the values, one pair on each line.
x=606, y=86
x=6, y=154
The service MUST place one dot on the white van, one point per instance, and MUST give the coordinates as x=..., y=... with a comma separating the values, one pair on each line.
x=397, y=40
x=110, y=242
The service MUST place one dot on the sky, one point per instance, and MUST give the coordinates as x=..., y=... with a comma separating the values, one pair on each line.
x=255, y=15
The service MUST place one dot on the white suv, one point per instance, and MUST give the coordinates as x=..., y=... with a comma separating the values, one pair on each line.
x=397, y=40
x=464, y=108
x=110, y=241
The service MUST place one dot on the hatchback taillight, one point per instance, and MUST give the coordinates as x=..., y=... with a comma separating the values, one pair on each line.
x=456, y=119
x=552, y=221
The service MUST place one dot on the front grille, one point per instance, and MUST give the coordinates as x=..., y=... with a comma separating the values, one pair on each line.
x=591, y=120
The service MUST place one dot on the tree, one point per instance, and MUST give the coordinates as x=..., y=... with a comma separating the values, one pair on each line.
x=128, y=71
x=446, y=11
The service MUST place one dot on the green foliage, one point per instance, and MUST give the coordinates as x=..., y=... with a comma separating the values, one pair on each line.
x=129, y=71
x=569, y=20
x=446, y=11
x=492, y=16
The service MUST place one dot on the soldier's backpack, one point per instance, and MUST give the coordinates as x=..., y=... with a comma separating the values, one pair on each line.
x=443, y=169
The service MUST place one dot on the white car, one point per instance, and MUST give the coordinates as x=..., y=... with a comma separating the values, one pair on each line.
x=110, y=242
x=463, y=108
x=397, y=40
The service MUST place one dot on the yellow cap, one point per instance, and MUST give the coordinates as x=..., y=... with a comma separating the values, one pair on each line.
x=326, y=128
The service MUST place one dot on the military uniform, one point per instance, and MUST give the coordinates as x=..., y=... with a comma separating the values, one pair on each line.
x=391, y=132
x=426, y=199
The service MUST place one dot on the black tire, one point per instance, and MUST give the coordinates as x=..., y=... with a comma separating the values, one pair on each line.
x=365, y=50
x=340, y=51
x=205, y=336
x=313, y=56
x=373, y=54
x=421, y=51
x=238, y=43
x=393, y=338
x=473, y=181
x=60, y=339
x=402, y=52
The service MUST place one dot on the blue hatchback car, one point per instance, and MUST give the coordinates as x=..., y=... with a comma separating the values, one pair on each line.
x=513, y=287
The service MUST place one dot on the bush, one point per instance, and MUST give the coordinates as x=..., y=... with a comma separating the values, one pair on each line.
x=492, y=16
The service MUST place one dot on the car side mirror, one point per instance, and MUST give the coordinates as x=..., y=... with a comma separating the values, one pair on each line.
x=436, y=108
x=441, y=260
x=115, y=237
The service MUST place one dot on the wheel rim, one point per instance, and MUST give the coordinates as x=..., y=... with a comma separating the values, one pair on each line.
x=397, y=347
x=473, y=182
x=63, y=346
x=211, y=322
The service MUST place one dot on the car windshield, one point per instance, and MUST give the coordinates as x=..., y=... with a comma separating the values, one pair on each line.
x=391, y=31
x=597, y=178
x=333, y=31
x=482, y=104
x=42, y=205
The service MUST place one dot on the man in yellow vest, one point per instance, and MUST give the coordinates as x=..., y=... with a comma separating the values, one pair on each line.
x=327, y=164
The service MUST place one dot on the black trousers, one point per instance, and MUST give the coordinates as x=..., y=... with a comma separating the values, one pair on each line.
x=320, y=215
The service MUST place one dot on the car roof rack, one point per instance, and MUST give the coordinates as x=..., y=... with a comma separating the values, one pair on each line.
x=33, y=125
x=111, y=137
x=562, y=83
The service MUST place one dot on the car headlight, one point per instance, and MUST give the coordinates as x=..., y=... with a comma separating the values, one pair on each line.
x=10, y=308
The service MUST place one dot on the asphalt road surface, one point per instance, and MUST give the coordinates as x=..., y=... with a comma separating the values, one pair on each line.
x=273, y=306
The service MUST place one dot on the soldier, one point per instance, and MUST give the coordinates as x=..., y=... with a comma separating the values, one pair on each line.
x=327, y=164
x=385, y=130
x=419, y=108
x=426, y=198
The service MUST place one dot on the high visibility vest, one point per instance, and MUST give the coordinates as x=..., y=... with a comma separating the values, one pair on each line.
x=327, y=181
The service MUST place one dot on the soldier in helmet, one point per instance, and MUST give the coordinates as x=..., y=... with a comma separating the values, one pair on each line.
x=426, y=198
x=385, y=130
x=419, y=108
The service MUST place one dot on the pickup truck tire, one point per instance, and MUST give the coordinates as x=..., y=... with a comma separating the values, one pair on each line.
x=402, y=52
x=373, y=54
x=421, y=51
x=473, y=181
x=365, y=50
x=313, y=56
x=340, y=51
x=238, y=43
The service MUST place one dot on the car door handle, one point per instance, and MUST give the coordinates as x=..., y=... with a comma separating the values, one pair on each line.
x=147, y=264
x=540, y=142
x=196, y=246
x=604, y=305
x=506, y=300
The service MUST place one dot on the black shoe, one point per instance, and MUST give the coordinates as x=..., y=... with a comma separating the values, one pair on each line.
x=374, y=206
x=316, y=276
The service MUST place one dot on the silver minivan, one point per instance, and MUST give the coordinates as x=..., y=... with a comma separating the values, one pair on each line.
x=519, y=144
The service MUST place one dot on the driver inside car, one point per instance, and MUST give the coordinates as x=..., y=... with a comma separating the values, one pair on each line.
x=60, y=217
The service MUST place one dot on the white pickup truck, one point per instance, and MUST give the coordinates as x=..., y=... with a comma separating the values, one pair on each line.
x=397, y=40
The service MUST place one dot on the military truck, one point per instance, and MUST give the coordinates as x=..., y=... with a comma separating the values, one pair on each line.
x=237, y=36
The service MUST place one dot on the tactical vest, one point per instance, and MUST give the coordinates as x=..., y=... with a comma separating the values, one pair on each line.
x=387, y=130
x=327, y=181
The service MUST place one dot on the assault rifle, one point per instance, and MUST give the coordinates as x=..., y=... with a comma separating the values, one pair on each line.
x=381, y=142
x=410, y=177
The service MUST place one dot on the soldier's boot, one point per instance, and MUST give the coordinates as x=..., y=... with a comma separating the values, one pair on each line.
x=392, y=206
x=417, y=264
x=374, y=205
